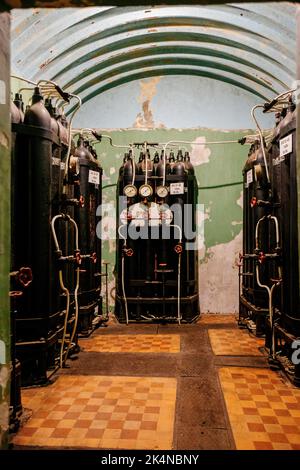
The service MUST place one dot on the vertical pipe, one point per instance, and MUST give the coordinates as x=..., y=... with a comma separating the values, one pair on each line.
x=4, y=225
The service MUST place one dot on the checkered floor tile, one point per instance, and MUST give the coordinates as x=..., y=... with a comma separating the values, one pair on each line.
x=263, y=409
x=101, y=412
x=216, y=319
x=234, y=342
x=132, y=343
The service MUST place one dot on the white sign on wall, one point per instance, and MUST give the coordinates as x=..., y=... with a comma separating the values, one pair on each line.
x=286, y=145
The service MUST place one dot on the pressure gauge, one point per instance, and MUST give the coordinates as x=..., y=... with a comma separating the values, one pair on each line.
x=130, y=190
x=162, y=191
x=146, y=190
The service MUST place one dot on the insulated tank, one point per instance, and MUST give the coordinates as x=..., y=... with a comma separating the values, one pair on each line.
x=256, y=207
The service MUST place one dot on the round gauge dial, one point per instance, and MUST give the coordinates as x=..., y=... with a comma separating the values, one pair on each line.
x=146, y=190
x=130, y=190
x=162, y=191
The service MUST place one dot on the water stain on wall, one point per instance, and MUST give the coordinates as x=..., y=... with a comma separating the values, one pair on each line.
x=145, y=119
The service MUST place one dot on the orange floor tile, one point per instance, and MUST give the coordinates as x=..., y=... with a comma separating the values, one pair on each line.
x=216, y=319
x=101, y=412
x=132, y=343
x=263, y=409
x=234, y=342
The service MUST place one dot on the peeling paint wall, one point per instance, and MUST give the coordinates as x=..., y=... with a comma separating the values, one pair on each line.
x=177, y=102
x=4, y=227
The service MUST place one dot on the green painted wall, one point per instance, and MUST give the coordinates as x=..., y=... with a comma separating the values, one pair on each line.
x=4, y=226
x=218, y=169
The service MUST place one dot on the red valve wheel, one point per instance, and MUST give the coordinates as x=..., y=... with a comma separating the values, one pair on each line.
x=78, y=257
x=261, y=258
x=128, y=251
x=253, y=202
x=81, y=201
x=25, y=276
x=94, y=257
x=178, y=248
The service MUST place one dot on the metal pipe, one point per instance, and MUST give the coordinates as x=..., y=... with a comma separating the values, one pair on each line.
x=261, y=138
x=70, y=138
x=180, y=231
x=146, y=162
x=76, y=312
x=123, y=274
x=256, y=230
x=133, y=166
x=179, y=289
x=67, y=292
x=23, y=79
x=276, y=228
x=65, y=217
x=270, y=294
x=192, y=143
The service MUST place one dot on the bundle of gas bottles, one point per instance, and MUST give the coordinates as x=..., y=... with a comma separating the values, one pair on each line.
x=269, y=271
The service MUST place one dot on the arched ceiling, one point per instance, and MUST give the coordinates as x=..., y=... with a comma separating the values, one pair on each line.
x=90, y=50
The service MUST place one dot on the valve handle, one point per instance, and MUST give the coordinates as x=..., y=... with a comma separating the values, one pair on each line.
x=77, y=257
x=128, y=251
x=24, y=276
x=253, y=202
x=94, y=257
x=178, y=248
x=261, y=258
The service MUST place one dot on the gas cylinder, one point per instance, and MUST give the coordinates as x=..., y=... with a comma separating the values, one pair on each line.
x=88, y=192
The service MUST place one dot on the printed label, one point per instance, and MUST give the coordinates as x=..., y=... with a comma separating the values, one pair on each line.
x=62, y=165
x=286, y=145
x=176, y=188
x=249, y=177
x=94, y=177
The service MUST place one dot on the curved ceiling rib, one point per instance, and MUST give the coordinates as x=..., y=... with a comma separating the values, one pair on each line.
x=91, y=50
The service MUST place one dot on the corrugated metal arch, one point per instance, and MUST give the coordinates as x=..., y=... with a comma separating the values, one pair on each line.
x=91, y=50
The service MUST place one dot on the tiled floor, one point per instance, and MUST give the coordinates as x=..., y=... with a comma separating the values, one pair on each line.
x=234, y=342
x=264, y=410
x=132, y=343
x=216, y=319
x=101, y=412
